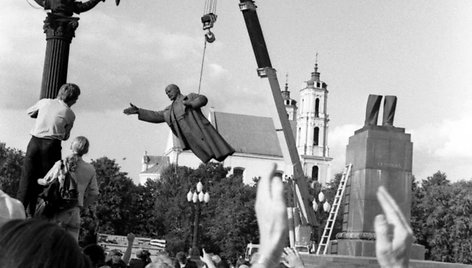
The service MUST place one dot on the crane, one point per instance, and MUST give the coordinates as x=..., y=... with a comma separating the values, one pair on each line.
x=282, y=124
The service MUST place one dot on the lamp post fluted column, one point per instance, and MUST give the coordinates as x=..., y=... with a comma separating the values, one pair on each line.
x=60, y=26
x=196, y=222
x=59, y=32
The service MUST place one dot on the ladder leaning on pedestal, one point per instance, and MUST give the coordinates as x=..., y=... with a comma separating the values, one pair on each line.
x=323, y=246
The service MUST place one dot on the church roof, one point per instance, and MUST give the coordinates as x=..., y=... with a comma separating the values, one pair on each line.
x=249, y=134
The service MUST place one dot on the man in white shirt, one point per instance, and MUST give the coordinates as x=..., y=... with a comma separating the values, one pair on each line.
x=54, y=121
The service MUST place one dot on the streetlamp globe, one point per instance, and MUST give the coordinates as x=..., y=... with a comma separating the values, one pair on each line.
x=189, y=196
x=206, y=197
x=199, y=186
x=326, y=206
x=315, y=205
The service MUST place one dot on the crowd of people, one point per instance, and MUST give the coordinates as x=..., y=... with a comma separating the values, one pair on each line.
x=54, y=246
x=28, y=238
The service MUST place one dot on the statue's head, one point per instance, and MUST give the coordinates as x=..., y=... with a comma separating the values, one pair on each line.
x=172, y=91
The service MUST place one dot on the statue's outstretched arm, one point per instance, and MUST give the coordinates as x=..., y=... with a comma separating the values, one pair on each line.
x=84, y=6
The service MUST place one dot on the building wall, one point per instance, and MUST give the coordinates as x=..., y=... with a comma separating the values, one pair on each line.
x=324, y=168
x=254, y=165
x=143, y=177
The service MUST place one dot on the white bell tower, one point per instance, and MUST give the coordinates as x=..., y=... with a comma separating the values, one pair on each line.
x=290, y=104
x=312, y=129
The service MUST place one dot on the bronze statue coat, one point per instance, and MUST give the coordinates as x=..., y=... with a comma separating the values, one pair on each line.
x=192, y=128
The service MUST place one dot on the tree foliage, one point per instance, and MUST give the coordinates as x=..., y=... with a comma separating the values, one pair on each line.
x=227, y=222
x=117, y=194
x=159, y=209
x=441, y=218
x=11, y=161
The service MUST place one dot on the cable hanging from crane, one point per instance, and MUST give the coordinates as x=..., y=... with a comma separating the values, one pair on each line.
x=208, y=20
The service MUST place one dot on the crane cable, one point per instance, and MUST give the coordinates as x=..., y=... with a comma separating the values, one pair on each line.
x=201, y=67
x=208, y=20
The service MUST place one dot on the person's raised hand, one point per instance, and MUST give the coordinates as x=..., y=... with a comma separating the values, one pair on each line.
x=206, y=258
x=132, y=109
x=291, y=258
x=130, y=237
x=393, y=233
x=271, y=213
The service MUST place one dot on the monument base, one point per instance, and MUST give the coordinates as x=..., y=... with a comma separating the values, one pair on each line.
x=366, y=248
x=336, y=261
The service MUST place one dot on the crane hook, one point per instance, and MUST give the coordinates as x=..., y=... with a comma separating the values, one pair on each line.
x=209, y=36
x=208, y=21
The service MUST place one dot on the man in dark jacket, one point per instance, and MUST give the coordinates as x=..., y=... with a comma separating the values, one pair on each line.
x=187, y=122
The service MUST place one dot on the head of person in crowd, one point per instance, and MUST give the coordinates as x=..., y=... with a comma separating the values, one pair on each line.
x=36, y=243
x=96, y=255
x=222, y=263
x=144, y=255
x=115, y=255
x=10, y=208
x=159, y=265
x=181, y=257
x=216, y=259
x=80, y=145
x=69, y=93
x=161, y=261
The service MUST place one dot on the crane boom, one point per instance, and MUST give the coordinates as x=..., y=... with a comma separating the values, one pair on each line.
x=282, y=124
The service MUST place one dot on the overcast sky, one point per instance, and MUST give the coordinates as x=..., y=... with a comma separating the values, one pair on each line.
x=417, y=50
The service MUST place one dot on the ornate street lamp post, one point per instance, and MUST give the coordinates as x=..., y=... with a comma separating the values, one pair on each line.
x=197, y=198
x=322, y=209
x=59, y=27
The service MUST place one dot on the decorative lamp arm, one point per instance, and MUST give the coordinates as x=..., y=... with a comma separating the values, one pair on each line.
x=84, y=6
x=41, y=2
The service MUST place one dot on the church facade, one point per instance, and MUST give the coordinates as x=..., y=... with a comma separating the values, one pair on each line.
x=255, y=140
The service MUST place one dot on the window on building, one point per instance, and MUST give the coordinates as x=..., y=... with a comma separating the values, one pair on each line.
x=314, y=173
x=317, y=107
x=316, y=136
x=238, y=171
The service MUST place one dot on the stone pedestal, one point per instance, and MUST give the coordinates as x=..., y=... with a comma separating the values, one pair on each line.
x=366, y=248
x=379, y=155
x=336, y=261
x=59, y=32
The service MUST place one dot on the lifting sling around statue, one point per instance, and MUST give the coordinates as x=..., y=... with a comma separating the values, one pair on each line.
x=188, y=123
